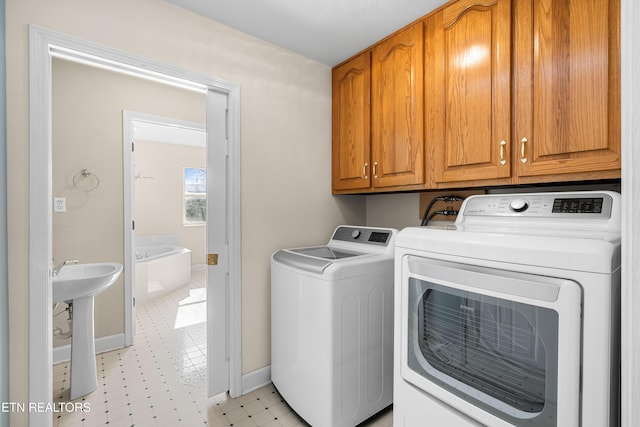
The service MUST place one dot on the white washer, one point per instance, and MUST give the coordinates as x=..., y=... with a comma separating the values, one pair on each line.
x=511, y=317
x=332, y=326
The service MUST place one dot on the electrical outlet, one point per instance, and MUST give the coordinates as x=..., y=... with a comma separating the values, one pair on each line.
x=59, y=204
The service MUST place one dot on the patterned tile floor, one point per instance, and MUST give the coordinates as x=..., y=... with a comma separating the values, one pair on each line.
x=161, y=379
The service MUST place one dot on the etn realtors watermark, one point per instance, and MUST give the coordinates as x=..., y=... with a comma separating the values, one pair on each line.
x=51, y=407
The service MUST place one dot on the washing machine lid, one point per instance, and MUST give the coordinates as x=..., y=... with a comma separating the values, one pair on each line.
x=326, y=252
x=350, y=249
x=314, y=259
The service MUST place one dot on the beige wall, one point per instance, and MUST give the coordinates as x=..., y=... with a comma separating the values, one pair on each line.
x=159, y=194
x=393, y=210
x=285, y=131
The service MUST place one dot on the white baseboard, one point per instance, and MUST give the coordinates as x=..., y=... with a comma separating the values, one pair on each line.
x=256, y=379
x=250, y=382
x=111, y=342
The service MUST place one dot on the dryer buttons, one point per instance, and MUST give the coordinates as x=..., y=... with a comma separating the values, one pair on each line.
x=518, y=205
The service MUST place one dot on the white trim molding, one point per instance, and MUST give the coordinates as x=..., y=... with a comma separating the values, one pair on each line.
x=256, y=379
x=630, y=330
x=40, y=233
x=112, y=342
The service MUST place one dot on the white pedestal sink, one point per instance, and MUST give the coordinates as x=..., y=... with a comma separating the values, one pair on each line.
x=79, y=284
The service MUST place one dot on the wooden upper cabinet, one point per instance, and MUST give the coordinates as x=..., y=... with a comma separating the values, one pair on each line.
x=351, y=124
x=567, y=87
x=397, y=130
x=467, y=91
x=483, y=92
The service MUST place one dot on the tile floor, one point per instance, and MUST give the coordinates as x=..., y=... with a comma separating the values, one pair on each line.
x=161, y=380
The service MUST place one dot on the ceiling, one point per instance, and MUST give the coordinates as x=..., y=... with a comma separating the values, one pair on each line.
x=328, y=31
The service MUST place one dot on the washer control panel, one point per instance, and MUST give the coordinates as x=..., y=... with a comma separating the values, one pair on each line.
x=364, y=235
x=544, y=205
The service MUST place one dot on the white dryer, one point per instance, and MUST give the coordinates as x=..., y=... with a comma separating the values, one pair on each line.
x=511, y=316
x=332, y=326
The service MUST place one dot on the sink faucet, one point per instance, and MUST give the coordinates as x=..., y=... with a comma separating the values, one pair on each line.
x=57, y=268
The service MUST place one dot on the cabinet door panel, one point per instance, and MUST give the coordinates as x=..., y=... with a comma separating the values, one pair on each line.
x=351, y=124
x=397, y=113
x=569, y=112
x=470, y=60
x=468, y=90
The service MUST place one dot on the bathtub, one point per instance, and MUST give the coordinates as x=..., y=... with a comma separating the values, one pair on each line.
x=161, y=267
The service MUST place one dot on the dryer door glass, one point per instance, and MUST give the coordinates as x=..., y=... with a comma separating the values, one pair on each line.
x=498, y=353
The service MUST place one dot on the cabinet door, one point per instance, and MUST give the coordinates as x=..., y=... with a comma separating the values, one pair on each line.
x=351, y=124
x=567, y=86
x=467, y=97
x=397, y=109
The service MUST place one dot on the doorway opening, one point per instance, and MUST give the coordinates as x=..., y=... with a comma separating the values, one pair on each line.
x=167, y=180
x=168, y=204
x=221, y=96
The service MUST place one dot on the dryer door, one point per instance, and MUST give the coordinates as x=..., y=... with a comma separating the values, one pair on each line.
x=502, y=347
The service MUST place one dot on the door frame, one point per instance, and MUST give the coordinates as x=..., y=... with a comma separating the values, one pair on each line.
x=128, y=119
x=41, y=43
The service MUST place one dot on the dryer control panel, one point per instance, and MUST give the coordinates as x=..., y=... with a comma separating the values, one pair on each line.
x=541, y=205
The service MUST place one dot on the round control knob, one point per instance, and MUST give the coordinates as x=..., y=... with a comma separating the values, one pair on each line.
x=519, y=205
x=355, y=234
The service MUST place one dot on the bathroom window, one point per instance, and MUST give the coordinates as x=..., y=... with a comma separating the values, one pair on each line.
x=195, y=196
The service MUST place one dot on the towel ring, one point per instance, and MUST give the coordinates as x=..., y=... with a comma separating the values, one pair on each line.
x=86, y=181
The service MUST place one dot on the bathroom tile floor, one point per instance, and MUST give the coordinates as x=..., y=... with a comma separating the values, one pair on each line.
x=161, y=379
